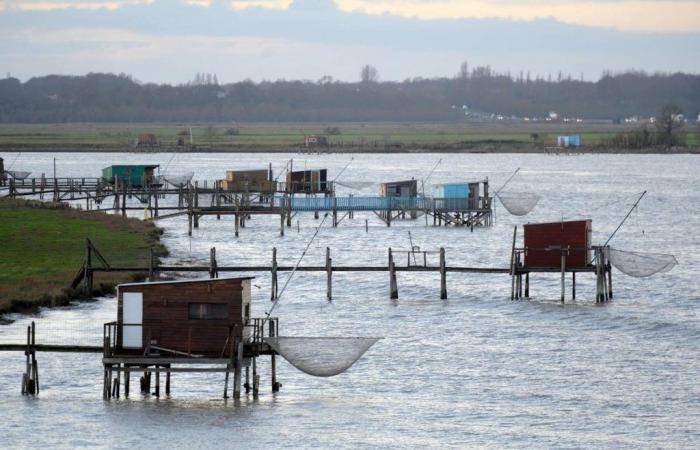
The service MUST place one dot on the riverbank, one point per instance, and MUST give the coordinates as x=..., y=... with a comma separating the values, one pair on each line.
x=44, y=248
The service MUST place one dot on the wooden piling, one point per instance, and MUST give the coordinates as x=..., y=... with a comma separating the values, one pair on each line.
x=273, y=275
x=563, y=276
x=443, y=275
x=527, y=284
x=329, y=275
x=237, y=372
x=512, y=264
x=213, y=271
x=573, y=285
x=273, y=362
x=393, y=285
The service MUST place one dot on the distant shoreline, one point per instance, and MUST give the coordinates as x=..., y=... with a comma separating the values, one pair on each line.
x=363, y=150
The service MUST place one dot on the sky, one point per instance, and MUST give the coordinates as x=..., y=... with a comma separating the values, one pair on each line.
x=170, y=41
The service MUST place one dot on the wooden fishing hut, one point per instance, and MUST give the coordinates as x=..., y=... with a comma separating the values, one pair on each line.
x=308, y=182
x=407, y=189
x=134, y=175
x=249, y=181
x=563, y=247
x=165, y=324
x=463, y=203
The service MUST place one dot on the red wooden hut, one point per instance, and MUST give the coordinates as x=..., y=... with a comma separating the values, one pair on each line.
x=545, y=242
x=190, y=316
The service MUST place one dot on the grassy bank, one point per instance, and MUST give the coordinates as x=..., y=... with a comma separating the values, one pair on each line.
x=252, y=137
x=44, y=247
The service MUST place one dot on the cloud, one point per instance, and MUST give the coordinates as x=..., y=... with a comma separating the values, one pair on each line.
x=39, y=5
x=169, y=41
x=631, y=15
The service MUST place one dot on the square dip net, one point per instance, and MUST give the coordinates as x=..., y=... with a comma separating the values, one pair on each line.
x=321, y=356
x=518, y=203
x=640, y=265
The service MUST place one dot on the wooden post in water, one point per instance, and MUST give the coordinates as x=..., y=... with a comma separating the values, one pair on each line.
x=527, y=284
x=189, y=223
x=273, y=274
x=512, y=264
x=237, y=372
x=213, y=271
x=88, y=267
x=329, y=275
x=273, y=362
x=393, y=285
x=563, y=275
x=443, y=275
x=573, y=285
x=237, y=224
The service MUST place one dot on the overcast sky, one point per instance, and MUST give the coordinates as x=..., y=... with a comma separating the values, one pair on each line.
x=169, y=41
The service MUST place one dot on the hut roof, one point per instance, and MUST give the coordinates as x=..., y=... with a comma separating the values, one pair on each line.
x=198, y=280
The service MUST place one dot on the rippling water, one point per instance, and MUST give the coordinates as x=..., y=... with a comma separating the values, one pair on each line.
x=476, y=370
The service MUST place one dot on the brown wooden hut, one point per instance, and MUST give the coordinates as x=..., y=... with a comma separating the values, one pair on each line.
x=546, y=242
x=188, y=317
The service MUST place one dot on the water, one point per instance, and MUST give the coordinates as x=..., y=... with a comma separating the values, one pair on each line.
x=476, y=370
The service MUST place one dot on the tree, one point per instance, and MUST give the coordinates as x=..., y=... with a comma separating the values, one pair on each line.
x=463, y=71
x=369, y=74
x=668, y=122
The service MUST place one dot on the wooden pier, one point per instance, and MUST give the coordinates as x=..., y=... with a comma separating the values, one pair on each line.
x=200, y=199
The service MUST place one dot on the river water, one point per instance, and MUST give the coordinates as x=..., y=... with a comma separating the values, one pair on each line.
x=475, y=370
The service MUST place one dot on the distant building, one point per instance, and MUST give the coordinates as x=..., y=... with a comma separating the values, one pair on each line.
x=147, y=140
x=569, y=141
x=315, y=141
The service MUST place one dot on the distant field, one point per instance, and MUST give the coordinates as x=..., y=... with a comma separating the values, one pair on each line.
x=258, y=136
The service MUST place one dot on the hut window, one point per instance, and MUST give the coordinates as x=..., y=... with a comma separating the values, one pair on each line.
x=208, y=311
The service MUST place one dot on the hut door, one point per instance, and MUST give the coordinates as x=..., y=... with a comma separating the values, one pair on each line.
x=132, y=318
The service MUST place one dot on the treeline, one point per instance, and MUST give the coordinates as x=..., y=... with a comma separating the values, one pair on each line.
x=118, y=98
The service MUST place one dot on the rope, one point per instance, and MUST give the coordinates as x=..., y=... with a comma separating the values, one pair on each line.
x=291, y=275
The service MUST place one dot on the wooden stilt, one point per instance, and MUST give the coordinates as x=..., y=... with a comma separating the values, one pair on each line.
x=237, y=372
x=527, y=284
x=443, y=275
x=273, y=274
x=329, y=275
x=273, y=363
x=393, y=285
x=282, y=224
x=563, y=274
x=157, y=381
x=573, y=285
x=167, y=381
x=127, y=380
x=512, y=264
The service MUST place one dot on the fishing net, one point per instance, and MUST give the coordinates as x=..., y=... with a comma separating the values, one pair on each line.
x=179, y=180
x=321, y=356
x=641, y=265
x=18, y=175
x=518, y=203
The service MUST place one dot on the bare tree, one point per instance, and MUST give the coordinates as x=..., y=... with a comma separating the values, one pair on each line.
x=463, y=71
x=369, y=74
x=668, y=122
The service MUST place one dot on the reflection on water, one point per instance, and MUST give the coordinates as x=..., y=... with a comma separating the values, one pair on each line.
x=474, y=370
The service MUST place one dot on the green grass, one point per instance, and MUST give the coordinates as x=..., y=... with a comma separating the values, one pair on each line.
x=44, y=247
x=291, y=135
